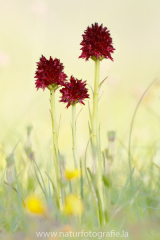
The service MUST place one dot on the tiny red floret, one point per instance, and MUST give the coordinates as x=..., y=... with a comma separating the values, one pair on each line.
x=74, y=91
x=49, y=72
x=96, y=43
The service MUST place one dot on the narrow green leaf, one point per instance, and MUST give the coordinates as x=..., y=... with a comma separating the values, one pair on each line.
x=156, y=166
x=2, y=176
x=44, y=187
x=54, y=189
x=39, y=182
x=81, y=180
x=19, y=198
x=104, y=163
x=125, y=187
x=101, y=83
x=98, y=197
x=90, y=187
x=107, y=181
x=90, y=115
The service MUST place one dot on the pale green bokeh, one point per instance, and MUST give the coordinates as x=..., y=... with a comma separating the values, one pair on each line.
x=31, y=28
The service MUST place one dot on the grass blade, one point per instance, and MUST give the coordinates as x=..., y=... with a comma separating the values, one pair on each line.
x=98, y=198
x=54, y=189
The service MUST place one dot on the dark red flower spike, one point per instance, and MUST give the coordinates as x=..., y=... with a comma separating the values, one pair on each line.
x=74, y=91
x=96, y=43
x=49, y=72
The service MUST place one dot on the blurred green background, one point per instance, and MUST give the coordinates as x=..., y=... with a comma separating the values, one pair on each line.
x=30, y=28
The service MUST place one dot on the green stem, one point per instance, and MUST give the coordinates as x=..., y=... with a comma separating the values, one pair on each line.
x=95, y=125
x=95, y=103
x=55, y=142
x=99, y=169
x=54, y=125
x=74, y=147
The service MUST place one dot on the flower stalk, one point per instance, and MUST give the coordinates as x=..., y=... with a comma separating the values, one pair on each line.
x=95, y=132
x=55, y=142
x=74, y=141
x=54, y=125
x=95, y=103
x=95, y=118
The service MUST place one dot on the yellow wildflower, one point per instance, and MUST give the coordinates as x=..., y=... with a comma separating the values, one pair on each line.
x=72, y=174
x=73, y=205
x=34, y=205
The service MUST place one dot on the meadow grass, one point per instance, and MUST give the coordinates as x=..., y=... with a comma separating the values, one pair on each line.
x=130, y=193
